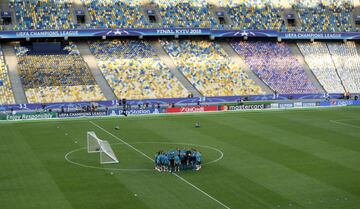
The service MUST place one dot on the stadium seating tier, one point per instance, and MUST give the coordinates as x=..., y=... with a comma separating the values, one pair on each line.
x=134, y=71
x=57, y=78
x=276, y=66
x=207, y=67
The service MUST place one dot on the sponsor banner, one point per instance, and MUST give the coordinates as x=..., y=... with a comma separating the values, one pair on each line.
x=81, y=114
x=192, y=109
x=274, y=106
x=298, y=104
x=286, y=105
x=119, y=112
x=28, y=116
x=342, y=103
x=310, y=104
x=245, y=107
x=339, y=103
x=179, y=101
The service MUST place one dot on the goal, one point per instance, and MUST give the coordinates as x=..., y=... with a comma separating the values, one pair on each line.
x=94, y=144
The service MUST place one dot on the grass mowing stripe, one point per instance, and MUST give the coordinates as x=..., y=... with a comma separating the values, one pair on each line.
x=28, y=178
x=172, y=126
x=306, y=141
x=252, y=141
x=143, y=154
x=329, y=157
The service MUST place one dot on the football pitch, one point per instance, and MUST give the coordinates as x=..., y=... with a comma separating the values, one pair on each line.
x=251, y=160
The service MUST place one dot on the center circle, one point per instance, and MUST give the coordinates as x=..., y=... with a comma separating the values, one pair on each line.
x=69, y=157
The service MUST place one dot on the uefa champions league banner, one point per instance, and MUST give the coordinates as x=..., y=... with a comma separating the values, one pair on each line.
x=13, y=34
x=326, y=36
x=103, y=32
x=244, y=33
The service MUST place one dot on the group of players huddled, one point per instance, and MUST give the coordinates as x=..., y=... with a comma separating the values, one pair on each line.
x=178, y=160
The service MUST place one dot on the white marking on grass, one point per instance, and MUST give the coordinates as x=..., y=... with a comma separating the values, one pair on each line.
x=191, y=145
x=68, y=158
x=143, y=154
x=344, y=124
x=197, y=188
x=127, y=144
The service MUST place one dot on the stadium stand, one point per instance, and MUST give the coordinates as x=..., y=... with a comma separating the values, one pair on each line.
x=6, y=93
x=276, y=66
x=40, y=14
x=324, y=15
x=314, y=15
x=260, y=15
x=347, y=63
x=56, y=78
x=207, y=67
x=115, y=13
x=320, y=62
x=185, y=13
x=134, y=71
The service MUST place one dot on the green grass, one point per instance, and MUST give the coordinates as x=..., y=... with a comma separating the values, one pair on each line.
x=272, y=159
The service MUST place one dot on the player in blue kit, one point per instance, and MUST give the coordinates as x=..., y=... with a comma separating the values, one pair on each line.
x=177, y=163
x=178, y=160
x=198, y=160
x=157, y=161
x=166, y=162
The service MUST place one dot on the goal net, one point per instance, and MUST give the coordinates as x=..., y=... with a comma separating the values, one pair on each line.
x=94, y=144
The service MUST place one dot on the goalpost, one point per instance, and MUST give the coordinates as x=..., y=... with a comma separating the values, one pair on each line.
x=94, y=144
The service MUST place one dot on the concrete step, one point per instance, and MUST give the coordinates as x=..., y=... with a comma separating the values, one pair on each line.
x=299, y=56
x=12, y=63
x=358, y=48
x=236, y=58
x=173, y=68
x=95, y=70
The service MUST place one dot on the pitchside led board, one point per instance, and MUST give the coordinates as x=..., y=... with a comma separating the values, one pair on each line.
x=176, y=32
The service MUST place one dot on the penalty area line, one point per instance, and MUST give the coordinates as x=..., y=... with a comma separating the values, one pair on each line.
x=344, y=124
x=176, y=175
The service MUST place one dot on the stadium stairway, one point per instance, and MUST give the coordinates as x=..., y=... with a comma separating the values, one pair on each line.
x=358, y=48
x=240, y=62
x=214, y=9
x=171, y=65
x=299, y=56
x=4, y=6
x=12, y=63
x=95, y=70
x=151, y=6
x=289, y=10
x=336, y=69
x=78, y=5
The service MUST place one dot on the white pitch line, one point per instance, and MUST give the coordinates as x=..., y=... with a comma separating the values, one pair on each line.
x=127, y=144
x=143, y=154
x=344, y=124
x=197, y=188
